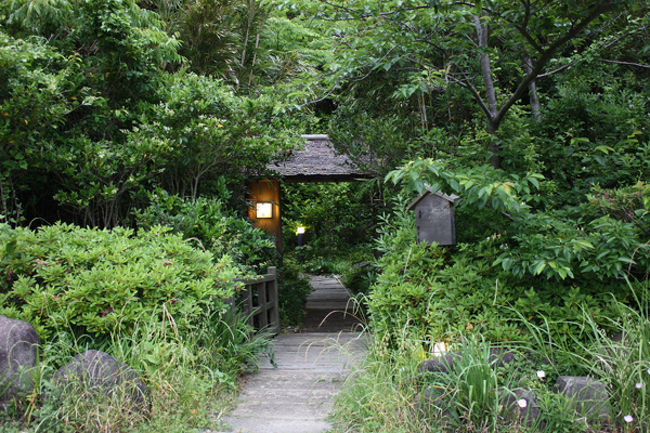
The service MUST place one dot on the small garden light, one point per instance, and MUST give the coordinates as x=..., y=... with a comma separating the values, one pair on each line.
x=440, y=349
x=300, y=232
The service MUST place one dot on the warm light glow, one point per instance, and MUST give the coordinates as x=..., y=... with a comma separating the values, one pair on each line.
x=264, y=209
x=300, y=230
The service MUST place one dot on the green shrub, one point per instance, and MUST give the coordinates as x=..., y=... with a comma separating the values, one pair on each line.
x=216, y=228
x=357, y=268
x=293, y=290
x=442, y=293
x=101, y=282
x=337, y=218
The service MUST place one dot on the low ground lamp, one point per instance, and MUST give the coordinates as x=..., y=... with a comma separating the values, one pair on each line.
x=300, y=232
x=434, y=217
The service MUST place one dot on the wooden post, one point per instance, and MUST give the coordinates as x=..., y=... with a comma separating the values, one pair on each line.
x=273, y=293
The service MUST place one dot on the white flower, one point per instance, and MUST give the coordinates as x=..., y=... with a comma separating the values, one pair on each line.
x=648, y=370
x=522, y=403
x=541, y=374
x=638, y=385
x=628, y=418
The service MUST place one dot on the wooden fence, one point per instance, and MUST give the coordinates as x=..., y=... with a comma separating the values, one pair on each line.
x=260, y=301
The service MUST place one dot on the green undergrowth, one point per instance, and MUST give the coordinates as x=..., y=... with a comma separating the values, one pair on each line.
x=444, y=292
x=294, y=288
x=386, y=393
x=210, y=225
x=191, y=380
x=151, y=300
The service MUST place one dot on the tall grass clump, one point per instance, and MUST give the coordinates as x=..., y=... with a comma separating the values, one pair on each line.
x=483, y=387
x=191, y=380
x=379, y=395
x=616, y=351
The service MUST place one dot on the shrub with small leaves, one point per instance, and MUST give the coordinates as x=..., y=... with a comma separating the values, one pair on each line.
x=101, y=282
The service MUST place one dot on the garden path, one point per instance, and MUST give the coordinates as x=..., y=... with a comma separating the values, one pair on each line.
x=312, y=365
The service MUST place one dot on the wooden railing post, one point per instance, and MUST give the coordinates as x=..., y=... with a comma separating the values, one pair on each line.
x=260, y=301
x=274, y=295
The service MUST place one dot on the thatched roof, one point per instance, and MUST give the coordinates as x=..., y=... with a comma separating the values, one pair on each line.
x=318, y=161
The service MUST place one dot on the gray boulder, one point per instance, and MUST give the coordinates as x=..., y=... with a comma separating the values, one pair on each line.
x=441, y=364
x=498, y=358
x=19, y=345
x=435, y=402
x=520, y=404
x=99, y=372
x=589, y=397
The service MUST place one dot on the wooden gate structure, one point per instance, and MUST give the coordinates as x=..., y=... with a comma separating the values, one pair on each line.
x=318, y=161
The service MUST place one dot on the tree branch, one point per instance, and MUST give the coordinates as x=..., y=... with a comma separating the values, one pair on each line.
x=555, y=71
x=620, y=62
x=473, y=91
x=547, y=55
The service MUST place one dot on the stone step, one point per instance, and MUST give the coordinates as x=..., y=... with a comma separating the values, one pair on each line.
x=253, y=425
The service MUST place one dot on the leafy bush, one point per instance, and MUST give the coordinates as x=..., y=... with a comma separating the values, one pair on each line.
x=208, y=221
x=293, y=290
x=96, y=107
x=514, y=250
x=357, y=269
x=439, y=294
x=101, y=282
x=337, y=217
x=152, y=300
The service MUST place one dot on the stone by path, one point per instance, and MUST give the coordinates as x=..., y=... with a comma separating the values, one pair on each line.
x=297, y=396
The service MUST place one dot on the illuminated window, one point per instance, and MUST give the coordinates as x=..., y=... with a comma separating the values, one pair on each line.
x=264, y=209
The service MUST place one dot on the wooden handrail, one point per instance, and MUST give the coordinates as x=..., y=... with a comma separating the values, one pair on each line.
x=260, y=300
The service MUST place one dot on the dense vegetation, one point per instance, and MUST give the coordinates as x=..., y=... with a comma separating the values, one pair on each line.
x=128, y=129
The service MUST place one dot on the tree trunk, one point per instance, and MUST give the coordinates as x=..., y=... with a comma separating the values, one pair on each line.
x=490, y=93
x=4, y=211
x=532, y=90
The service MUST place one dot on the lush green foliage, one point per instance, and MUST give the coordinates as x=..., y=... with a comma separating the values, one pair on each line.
x=471, y=394
x=294, y=288
x=189, y=379
x=90, y=114
x=599, y=245
x=63, y=278
x=336, y=216
x=153, y=300
x=212, y=226
x=619, y=358
x=339, y=221
x=441, y=293
x=100, y=105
